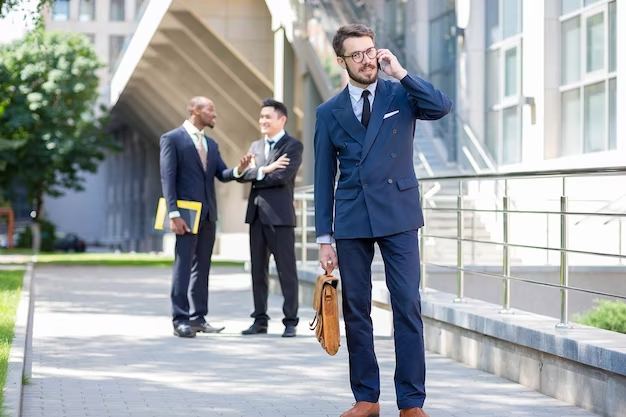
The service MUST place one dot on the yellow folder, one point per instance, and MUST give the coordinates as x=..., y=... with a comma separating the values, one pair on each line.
x=189, y=211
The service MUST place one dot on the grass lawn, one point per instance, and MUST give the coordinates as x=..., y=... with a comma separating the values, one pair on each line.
x=108, y=259
x=10, y=289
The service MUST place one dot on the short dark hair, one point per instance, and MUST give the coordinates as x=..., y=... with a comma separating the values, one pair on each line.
x=355, y=30
x=277, y=105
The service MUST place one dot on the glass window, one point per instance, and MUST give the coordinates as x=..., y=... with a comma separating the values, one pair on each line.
x=570, y=122
x=510, y=72
x=595, y=118
x=570, y=51
x=493, y=134
x=511, y=18
x=117, y=11
x=612, y=36
x=138, y=7
x=87, y=10
x=588, y=2
x=511, y=136
x=568, y=6
x=116, y=43
x=494, y=33
x=613, y=113
x=493, y=76
x=595, y=42
x=61, y=10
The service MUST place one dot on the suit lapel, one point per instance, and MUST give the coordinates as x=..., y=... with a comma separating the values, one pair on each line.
x=276, y=151
x=259, y=151
x=188, y=141
x=346, y=118
x=382, y=101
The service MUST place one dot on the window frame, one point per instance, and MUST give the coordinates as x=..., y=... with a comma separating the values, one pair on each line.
x=586, y=79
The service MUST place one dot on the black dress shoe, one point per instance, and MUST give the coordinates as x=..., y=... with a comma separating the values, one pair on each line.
x=205, y=328
x=256, y=328
x=183, y=330
x=290, y=331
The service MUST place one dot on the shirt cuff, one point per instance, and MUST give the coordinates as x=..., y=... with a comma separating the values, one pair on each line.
x=174, y=214
x=328, y=239
x=259, y=174
x=236, y=173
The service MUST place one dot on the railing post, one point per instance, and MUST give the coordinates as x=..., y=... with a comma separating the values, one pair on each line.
x=506, y=264
x=564, y=268
x=459, y=246
x=422, y=245
x=304, y=233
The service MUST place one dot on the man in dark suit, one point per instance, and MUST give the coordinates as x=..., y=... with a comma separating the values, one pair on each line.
x=369, y=128
x=190, y=162
x=271, y=215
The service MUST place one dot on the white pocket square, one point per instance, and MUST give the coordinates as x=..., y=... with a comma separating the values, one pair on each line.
x=391, y=113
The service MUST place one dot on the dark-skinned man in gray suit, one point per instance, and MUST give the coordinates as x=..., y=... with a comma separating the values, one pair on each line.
x=190, y=161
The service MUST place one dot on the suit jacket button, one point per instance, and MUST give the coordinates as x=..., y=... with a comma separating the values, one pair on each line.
x=364, y=185
x=390, y=181
x=345, y=144
x=393, y=155
x=394, y=131
x=358, y=163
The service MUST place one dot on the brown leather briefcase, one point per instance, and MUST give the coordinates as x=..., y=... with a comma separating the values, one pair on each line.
x=326, y=306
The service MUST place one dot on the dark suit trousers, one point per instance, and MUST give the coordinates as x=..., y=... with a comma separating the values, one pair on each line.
x=190, y=281
x=279, y=240
x=402, y=269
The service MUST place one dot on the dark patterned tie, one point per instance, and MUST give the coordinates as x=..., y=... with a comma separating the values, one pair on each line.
x=365, y=118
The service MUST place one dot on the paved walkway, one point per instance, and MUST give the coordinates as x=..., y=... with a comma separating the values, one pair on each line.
x=103, y=347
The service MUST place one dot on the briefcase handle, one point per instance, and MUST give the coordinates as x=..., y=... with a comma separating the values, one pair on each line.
x=329, y=269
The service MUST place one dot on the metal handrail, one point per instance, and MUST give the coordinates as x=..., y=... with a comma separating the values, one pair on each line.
x=305, y=197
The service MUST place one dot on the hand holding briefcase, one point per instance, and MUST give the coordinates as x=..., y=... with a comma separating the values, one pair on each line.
x=326, y=306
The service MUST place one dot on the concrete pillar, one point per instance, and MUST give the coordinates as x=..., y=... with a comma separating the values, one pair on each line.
x=311, y=99
x=534, y=46
x=285, y=70
x=419, y=34
x=621, y=75
x=548, y=110
x=470, y=103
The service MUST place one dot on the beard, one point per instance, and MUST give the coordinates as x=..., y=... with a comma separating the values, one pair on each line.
x=362, y=78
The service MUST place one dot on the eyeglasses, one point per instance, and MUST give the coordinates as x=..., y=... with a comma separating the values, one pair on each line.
x=358, y=56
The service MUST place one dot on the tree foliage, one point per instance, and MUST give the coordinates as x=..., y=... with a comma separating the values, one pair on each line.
x=8, y=6
x=49, y=130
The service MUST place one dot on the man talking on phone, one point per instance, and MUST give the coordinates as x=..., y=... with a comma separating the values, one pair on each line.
x=368, y=128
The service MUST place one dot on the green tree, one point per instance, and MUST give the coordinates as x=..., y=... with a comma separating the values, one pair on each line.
x=7, y=6
x=50, y=128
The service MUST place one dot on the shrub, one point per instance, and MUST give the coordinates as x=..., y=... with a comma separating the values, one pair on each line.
x=608, y=315
x=48, y=238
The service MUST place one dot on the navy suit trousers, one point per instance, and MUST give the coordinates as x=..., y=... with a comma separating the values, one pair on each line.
x=402, y=269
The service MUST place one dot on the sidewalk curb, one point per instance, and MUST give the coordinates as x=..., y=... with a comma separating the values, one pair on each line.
x=20, y=360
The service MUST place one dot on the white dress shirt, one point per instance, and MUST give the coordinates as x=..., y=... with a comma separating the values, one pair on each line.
x=356, y=99
x=276, y=138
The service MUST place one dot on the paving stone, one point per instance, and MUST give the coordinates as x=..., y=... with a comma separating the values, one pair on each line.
x=103, y=346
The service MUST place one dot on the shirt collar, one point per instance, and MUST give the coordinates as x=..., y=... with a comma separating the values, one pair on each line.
x=276, y=137
x=355, y=92
x=191, y=130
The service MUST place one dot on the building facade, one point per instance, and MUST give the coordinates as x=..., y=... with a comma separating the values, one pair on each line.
x=109, y=24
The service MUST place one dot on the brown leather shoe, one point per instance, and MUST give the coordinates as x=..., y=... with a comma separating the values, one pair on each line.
x=363, y=409
x=413, y=412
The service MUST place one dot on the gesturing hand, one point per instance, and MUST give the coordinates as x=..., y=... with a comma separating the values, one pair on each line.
x=280, y=163
x=244, y=162
x=393, y=67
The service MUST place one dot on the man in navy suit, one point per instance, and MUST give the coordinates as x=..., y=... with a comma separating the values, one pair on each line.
x=368, y=128
x=190, y=162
